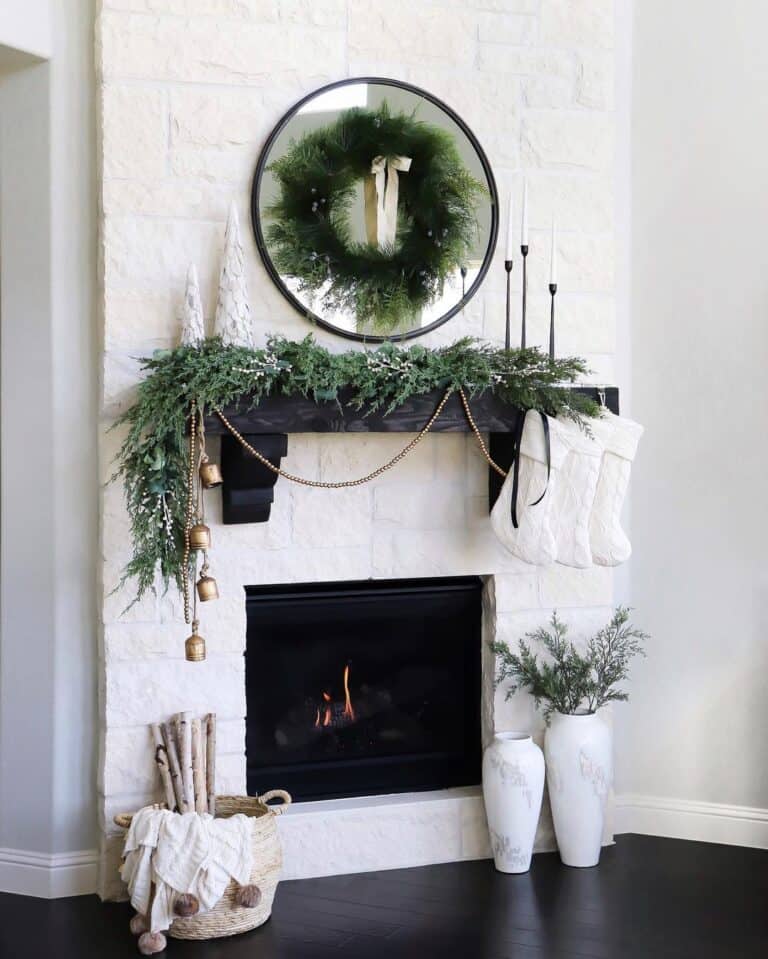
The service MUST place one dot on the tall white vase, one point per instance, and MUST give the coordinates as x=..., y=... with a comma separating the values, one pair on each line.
x=513, y=784
x=579, y=754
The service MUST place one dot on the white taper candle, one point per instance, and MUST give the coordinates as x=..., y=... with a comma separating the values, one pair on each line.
x=553, y=254
x=510, y=237
x=524, y=227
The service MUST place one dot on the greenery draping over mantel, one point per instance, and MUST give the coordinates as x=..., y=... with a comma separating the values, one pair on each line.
x=153, y=459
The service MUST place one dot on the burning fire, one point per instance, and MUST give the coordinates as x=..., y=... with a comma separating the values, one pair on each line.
x=349, y=712
x=327, y=715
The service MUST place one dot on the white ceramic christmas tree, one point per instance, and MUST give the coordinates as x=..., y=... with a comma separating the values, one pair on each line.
x=192, y=319
x=233, y=312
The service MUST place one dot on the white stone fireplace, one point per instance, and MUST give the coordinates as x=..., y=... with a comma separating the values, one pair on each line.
x=428, y=518
x=186, y=103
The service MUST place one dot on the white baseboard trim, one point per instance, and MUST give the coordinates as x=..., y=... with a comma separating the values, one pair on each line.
x=688, y=819
x=76, y=873
x=48, y=876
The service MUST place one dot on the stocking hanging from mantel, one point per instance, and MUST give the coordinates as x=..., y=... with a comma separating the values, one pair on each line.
x=573, y=495
x=540, y=458
x=577, y=523
x=618, y=437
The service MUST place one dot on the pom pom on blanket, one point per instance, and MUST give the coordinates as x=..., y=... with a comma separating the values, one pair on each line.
x=151, y=942
x=248, y=896
x=186, y=905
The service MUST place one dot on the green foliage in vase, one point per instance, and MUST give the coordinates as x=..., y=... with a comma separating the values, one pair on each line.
x=153, y=459
x=571, y=680
x=310, y=239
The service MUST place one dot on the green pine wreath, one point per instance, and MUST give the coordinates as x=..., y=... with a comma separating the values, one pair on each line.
x=309, y=237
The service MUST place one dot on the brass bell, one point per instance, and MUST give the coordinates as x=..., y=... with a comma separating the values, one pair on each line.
x=210, y=475
x=199, y=536
x=207, y=588
x=194, y=648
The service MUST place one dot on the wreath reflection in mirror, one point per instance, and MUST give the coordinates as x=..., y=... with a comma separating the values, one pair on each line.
x=420, y=221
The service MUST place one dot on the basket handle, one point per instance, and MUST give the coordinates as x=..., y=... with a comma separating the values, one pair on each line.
x=124, y=819
x=276, y=794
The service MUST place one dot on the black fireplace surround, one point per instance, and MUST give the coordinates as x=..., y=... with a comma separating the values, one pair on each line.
x=363, y=688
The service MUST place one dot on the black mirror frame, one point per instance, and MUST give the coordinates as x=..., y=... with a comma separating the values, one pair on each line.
x=261, y=242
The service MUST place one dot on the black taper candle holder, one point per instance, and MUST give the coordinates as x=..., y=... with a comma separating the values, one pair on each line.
x=508, y=268
x=524, y=251
x=552, y=291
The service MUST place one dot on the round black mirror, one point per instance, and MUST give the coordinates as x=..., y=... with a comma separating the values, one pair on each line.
x=375, y=209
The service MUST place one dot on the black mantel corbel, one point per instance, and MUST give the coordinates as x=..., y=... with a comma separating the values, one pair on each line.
x=248, y=488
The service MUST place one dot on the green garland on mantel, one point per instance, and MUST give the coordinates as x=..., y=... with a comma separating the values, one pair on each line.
x=153, y=459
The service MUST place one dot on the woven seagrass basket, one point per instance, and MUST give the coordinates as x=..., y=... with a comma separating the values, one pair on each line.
x=227, y=918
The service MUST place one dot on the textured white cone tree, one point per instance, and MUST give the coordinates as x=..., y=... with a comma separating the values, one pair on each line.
x=233, y=321
x=192, y=319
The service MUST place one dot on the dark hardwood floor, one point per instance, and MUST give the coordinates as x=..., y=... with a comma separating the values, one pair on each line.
x=648, y=899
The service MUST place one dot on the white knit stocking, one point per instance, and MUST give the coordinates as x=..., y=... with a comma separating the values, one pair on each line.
x=533, y=541
x=574, y=495
x=619, y=438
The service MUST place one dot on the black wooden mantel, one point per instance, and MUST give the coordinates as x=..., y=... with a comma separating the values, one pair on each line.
x=248, y=489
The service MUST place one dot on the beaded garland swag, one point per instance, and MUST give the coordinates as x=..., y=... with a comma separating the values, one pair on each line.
x=157, y=463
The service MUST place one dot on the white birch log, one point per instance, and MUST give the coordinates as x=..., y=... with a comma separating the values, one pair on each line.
x=185, y=758
x=192, y=318
x=210, y=759
x=173, y=763
x=198, y=767
x=163, y=767
x=233, y=321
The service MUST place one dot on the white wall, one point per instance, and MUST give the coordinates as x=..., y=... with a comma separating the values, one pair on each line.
x=27, y=588
x=25, y=26
x=49, y=474
x=696, y=727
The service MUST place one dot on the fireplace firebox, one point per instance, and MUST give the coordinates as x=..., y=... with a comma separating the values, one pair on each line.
x=363, y=688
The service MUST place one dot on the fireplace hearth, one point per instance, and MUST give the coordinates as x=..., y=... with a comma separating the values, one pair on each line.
x=363, y=688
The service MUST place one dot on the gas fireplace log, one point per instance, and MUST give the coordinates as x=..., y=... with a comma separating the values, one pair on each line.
x=210, y=761
x=185, y=758
x=173, y=764
x=198, y=767
x=161, y=758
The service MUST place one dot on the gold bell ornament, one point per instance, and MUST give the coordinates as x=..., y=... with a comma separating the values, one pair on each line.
x=210, y=474
x=194, y=647
x=206, y=587
x=199, y=536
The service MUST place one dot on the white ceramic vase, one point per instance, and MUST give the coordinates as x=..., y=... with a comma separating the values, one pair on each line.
x=579, y=754
x=513, y=784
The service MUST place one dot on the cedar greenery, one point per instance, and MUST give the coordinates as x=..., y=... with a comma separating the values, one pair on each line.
x=310, y=238
x=573, y=681
x=153, y=459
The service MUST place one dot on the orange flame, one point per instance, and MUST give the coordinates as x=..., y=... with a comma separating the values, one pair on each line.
x=324, y=713
x=349, y=712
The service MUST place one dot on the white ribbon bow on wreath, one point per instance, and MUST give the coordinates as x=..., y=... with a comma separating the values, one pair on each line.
x=381, y=193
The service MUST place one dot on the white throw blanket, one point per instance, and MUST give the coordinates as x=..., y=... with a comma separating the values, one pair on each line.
x=188, y=853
